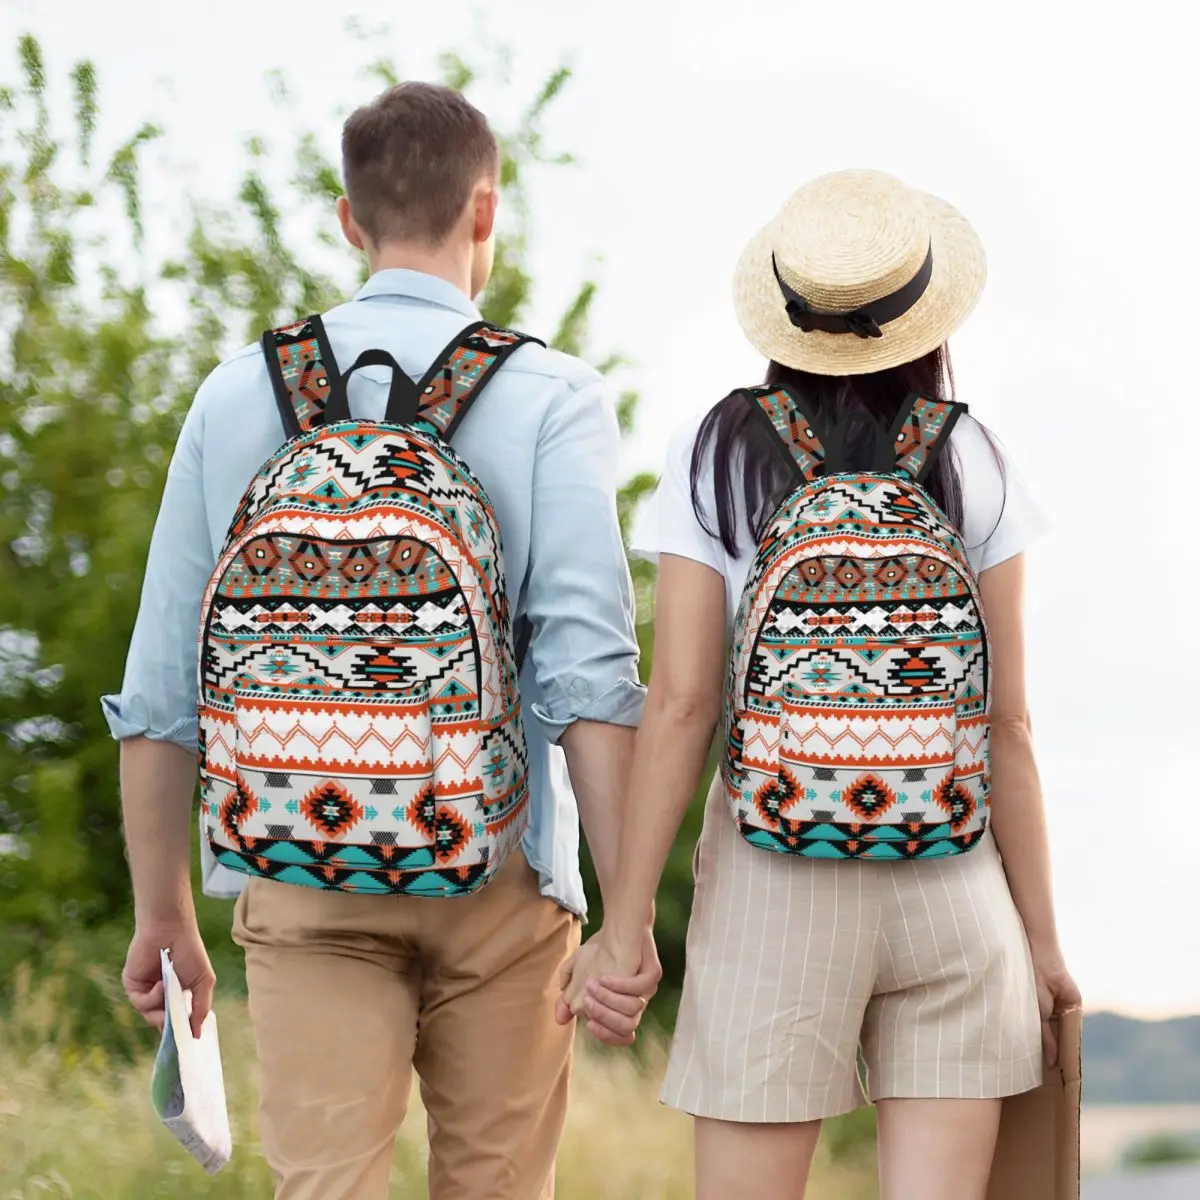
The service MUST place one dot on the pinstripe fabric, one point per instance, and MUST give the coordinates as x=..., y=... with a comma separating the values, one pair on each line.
x=792, y=965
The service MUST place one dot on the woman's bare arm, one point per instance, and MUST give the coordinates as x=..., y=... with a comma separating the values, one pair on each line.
x=683, y=705
x=1018, y=811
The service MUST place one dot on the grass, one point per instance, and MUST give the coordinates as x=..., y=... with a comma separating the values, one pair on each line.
x=76, y=1122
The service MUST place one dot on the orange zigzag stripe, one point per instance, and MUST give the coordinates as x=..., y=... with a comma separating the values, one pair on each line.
x=298, y=731
x=861, y=742
x=333, y=764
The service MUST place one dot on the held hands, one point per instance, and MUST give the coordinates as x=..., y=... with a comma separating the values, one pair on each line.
x=609, y=986
x=142, y=977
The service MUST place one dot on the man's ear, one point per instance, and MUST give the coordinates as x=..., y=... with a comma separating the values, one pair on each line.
x=486, y=199
x=350, y=229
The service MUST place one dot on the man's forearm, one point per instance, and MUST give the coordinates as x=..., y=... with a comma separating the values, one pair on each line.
x=598, y=759
x=158, y=781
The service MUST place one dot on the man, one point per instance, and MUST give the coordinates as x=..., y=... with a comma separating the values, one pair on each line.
x=349, y=993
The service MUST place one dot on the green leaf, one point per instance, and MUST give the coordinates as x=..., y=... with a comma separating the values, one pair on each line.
x=123, y=172
x=316, y=177
x=455, y=72
x=630, y=495
x=255, y=197
x=384, y=70
x=86, y=107
x=550, y=92
x=627, y=405
x=611, y=362
x=572, y=327
x=30, y=53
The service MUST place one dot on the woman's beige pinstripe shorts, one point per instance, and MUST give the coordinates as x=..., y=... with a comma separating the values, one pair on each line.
x=793, y=965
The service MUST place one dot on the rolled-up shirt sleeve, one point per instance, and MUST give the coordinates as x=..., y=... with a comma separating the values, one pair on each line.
x=579, y=596
x=158, y=697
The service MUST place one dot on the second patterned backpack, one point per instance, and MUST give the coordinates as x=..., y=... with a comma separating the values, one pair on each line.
x=360, y=718
x=857, y=701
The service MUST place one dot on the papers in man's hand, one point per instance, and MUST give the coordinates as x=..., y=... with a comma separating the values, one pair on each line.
x=187, y=1088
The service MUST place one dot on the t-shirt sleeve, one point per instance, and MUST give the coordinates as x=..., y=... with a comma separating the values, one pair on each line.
x=1001, y=518
x=666, y=522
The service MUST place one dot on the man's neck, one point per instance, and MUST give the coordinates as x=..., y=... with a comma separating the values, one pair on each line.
x=451, y=263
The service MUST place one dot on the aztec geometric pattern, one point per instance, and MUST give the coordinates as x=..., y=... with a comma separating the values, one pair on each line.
x=470, y=361
x=359, y=704
x=923, y=426
x=792, y=429
x=857, y=702
x=297, y=356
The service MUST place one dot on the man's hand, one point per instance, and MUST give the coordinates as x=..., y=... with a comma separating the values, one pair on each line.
x=142, y=977
x=157, y=782
x=610, y=989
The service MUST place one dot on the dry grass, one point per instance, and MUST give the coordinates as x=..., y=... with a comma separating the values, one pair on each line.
x=74, y=1125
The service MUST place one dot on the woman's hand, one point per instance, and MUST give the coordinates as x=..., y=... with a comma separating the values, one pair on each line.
x=609, y=985
x=1057, y=994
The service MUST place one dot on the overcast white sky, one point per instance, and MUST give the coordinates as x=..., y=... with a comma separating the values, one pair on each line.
x=1065, y=134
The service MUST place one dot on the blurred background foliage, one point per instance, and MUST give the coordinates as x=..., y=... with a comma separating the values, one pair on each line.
x=102, y=346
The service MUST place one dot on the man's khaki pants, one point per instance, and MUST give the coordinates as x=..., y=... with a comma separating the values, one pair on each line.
x=348, y=993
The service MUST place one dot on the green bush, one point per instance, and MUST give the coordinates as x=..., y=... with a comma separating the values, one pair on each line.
x=1162, y=1149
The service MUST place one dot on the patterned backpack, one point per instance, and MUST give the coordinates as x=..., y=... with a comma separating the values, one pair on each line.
x=360, y=719
x=857, y=701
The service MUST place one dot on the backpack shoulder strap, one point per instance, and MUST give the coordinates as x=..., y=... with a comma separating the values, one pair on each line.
x=792, y=428
x=460, y=372
x=921, y=431
x=303, y=373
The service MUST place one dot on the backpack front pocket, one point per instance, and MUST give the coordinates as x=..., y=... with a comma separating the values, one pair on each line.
x=368, y=792
x=339, y=785
x=868, y=764
x=852, y=779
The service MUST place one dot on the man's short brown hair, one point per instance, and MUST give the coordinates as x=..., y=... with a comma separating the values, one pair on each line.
x=410, y=159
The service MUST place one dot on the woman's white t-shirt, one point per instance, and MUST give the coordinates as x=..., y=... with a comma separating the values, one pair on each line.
x=1000, y=517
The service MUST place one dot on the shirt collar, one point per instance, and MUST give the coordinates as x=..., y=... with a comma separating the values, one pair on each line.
x=416, y=285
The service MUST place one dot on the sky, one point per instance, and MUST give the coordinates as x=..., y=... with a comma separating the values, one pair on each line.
x=1062, y=130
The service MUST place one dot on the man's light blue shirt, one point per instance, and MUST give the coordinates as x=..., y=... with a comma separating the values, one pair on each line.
x=544, y=442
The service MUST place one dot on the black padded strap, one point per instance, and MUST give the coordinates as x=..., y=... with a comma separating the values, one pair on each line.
x=461, y=371
x=792, y=428
x=921, y=430
x=303, y=373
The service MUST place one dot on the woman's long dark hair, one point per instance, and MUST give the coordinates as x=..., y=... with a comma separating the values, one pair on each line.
x=748, y=468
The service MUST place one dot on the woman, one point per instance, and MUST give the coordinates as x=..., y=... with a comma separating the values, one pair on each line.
x=924, y=940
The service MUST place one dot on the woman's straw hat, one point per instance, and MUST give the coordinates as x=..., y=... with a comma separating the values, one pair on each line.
x=857, y=273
